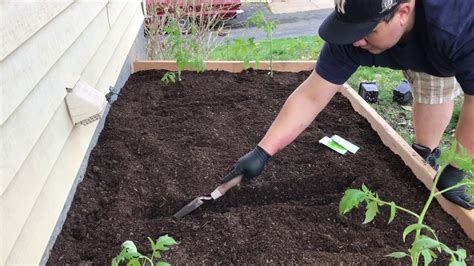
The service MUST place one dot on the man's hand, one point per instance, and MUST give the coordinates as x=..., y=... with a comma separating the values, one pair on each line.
x=450, y=177
x=250, y=165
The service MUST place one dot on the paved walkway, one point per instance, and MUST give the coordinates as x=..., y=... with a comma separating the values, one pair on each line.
x=291, y=6
x=292, y=24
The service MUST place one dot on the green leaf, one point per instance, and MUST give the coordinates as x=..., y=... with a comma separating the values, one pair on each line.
x=464, y=161
x=461, y=253
x=426, y=257
x=397, y=255
x=156, y=254
x=116, y=261
x=447, y=156
x=365, y=189
x=352, y=198
x=164, y=241
x=372, y=210
x=433, y=255
x=172, y=77
x=134, y=262
x=446, y=249
x=457, y=263
x=169, y=77
x=152, y=243
x=132, y=255
x=393, y=211
x=162, y=263
x=129, y=246
x=129, y=251
x=424, y=243
x=413, y=227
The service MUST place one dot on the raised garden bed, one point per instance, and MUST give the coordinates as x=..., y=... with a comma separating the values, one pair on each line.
x=163, y=145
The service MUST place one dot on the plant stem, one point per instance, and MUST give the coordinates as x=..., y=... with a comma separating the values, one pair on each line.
x=271, y=57
x=453, y=187
x=227, y=50
x=428, y=202
x=147, y=259
x=396, y=206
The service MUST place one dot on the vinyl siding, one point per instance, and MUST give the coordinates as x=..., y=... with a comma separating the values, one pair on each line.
x=42, y=151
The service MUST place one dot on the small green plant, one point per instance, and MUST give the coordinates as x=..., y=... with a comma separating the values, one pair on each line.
x=246, y=50
x=169, y=77
x=132, y=257
x=186, y=51
x=227, y=46
x=296, y=49
x=201, y=21
x=425, y=242
x=259, y=20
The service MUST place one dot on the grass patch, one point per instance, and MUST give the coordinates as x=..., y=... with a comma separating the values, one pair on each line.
x=301, y=48
x=309, y=47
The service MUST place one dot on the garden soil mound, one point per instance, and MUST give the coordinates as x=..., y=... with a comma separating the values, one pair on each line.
x=163, y=145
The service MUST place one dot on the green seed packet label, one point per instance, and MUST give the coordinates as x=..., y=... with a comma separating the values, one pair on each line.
x=332, y=145
x=344, y=143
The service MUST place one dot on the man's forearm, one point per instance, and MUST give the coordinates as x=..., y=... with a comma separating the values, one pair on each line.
x=465, y=127
x=299, y=110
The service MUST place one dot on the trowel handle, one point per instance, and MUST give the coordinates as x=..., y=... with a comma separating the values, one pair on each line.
x=222, y=189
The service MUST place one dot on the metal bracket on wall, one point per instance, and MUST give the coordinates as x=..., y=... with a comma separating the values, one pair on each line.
x=112, y=95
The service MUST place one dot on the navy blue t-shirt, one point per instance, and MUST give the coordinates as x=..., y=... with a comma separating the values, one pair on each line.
x=441, y=44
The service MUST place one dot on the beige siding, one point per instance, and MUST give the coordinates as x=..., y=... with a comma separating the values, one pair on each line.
x=21, y=19
x=115, y=7
x=94, y=69
x=50, y=202
x=25, y=188
x=121, y=50
x=42, y=51
x=53, y=60
x=41, y=150
x=61, y=178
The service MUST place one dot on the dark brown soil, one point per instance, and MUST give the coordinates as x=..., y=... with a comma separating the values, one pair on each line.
x=163, y=145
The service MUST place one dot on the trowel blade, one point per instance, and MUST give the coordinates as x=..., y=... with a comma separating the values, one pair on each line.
x=191, y=206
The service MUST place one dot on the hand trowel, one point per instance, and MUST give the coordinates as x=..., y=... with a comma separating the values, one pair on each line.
x=217, y=193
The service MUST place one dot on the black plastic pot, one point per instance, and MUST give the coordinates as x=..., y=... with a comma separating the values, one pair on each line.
x=369, y=91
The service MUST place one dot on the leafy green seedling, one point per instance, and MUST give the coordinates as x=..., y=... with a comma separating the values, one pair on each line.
x=425, y=242
x=259, y=20
x=227, y=46
x=131, y=256
x=186, y=51
x=169, y=77
x=296, y=49
x=247, y=50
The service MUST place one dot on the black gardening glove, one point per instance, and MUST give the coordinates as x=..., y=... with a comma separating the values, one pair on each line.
x=250, y=165
x=450, y=177
x=430, y=156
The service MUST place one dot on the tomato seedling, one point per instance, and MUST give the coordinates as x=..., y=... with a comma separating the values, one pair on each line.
x=426, y=241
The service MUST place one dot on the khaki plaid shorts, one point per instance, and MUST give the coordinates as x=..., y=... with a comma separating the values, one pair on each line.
x=428, y=89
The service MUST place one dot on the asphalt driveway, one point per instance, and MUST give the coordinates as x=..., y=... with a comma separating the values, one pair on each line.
x=289, y=24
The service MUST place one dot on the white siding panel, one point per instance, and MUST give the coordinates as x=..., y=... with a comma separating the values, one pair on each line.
x=21, y=19
x=25, y=125
x=62, y=177
x=38, y=54
x=115, y=7
x=51, y=200
x=115, y=63
x=107, y=49
x=19, y=199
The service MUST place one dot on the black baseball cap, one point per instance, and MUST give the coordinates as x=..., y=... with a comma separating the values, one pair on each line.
x=352, y=20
